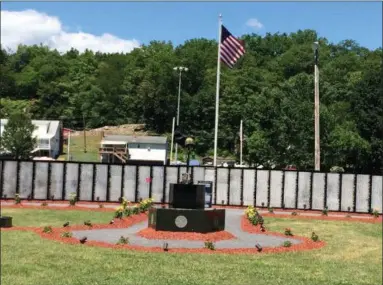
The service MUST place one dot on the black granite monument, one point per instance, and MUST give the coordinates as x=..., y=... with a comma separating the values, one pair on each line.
x=186, y=212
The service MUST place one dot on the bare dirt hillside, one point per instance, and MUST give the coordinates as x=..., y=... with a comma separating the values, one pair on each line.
x=127, y=129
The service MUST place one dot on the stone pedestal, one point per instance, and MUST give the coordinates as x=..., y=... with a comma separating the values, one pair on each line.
x=187, y=220
x=5, y=222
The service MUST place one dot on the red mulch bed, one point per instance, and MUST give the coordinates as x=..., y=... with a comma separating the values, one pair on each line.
x=150, y=233
x=306, y=244
x=77, y=207
x=371, y=219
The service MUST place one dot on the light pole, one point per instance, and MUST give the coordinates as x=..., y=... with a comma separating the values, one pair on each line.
x=315, y=47
x=179, y=69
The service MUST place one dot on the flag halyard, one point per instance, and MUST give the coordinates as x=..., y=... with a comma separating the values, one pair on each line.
x=232, y=48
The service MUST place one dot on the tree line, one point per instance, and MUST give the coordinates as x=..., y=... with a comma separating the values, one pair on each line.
x=271, y=89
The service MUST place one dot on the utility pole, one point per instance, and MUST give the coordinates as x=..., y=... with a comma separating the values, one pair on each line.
x=83, y=122
x=68, y=155
x=316, y=107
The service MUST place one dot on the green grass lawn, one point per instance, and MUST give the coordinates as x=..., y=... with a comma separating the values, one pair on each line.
x=353, y=255
x=77, y=148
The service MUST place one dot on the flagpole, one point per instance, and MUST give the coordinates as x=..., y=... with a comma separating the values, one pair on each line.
x=217, y=89
x=241, y=142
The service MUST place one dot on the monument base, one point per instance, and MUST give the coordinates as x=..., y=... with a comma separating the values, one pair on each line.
x=187, y=220
x=5, y=222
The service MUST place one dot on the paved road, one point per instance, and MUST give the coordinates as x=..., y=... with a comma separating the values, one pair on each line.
x=233, y=225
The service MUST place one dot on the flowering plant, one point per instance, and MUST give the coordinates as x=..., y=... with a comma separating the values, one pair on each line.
x=72, y=198
x=251, y=212
x=375, y=212
x=125, y=203
x=145, y=204
x=253, y=216
x=17, y=199
x=119, y=212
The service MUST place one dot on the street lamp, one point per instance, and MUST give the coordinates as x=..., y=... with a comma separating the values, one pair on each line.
x=179, y=69
x=315, y=47
x=189, y=144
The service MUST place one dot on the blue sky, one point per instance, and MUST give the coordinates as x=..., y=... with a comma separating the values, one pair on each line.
x=179, y=21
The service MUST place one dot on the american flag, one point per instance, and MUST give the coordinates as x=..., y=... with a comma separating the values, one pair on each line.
x=231, y=48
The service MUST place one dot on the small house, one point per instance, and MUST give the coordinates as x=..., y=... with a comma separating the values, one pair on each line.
x=149, y=150
x=48, y=136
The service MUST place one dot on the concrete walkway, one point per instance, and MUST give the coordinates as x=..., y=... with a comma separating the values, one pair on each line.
x=233, y=225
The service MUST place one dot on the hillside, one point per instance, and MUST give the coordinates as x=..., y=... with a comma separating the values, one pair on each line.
x=271, y=89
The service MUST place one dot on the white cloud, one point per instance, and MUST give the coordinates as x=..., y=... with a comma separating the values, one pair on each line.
x=31, y=27
x=254, y=23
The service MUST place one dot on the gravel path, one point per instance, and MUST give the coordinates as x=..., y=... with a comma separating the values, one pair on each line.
x=233, y=225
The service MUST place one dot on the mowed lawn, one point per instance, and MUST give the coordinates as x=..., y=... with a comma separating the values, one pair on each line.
x=353, y=255
x=77, y=149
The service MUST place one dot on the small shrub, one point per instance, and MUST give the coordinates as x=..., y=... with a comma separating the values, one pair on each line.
x=66, y=235
x=88, y=223
x=337, y=169
x=47, y=229
x=17, y=199
x=287, y=243
x=124, y=203
x=375, y=213
x=294, y=214
x=253, y=216
x=135, y=210
x=145, y=205
x=83, y=240
x=118, y=213
x=101, y=206
x=261, y=221
x=209, y=245
x=325, y=212
x=44, y=204
x=288, y=232
x=253, y=220
x=123, y=240
x=128, y=212
x=72, y=198
x=263, y=229
x=271, y=210
x=314, y=237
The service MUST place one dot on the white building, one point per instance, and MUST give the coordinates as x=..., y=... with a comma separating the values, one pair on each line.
x=134, y=149
x=47, y=134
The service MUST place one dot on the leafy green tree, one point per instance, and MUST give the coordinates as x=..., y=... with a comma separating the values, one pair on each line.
x=271, y=89
x=17, y=136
